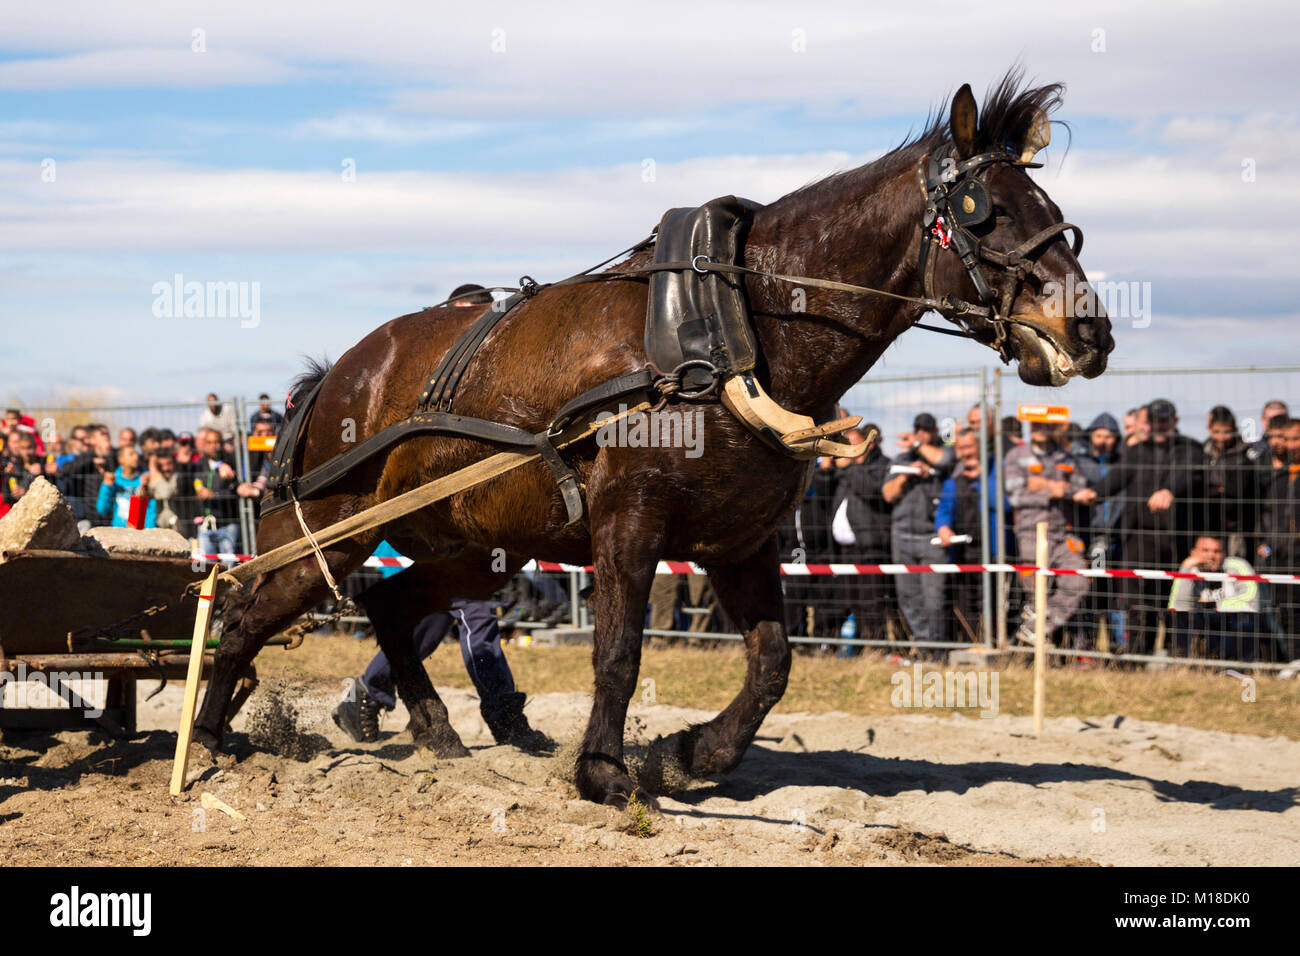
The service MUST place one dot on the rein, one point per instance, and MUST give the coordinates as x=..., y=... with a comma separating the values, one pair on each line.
x=943, y=224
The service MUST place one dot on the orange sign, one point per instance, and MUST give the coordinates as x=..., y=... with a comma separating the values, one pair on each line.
x=1055, y=414
x=261, y=442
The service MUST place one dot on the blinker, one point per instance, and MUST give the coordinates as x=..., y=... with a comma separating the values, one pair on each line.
x=969, y=203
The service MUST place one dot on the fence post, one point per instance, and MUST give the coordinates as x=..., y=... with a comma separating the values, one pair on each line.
x=1000, y=518
x=245, y=505
x=1040, y=626
x=583, y=615
x=987, y=453
x=573, y=598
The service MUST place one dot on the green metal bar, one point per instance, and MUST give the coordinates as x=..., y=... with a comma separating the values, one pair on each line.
x=138, y=643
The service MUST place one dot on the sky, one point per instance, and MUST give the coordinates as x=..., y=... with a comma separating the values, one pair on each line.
x=350, y=163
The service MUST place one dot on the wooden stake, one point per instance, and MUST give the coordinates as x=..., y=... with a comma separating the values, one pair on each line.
x=202, y=622
x=1040, y=627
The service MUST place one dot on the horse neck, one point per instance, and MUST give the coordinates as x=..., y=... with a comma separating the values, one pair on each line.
x=862, y=227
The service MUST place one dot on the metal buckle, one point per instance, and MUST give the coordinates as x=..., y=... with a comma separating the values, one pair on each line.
x=702, y=272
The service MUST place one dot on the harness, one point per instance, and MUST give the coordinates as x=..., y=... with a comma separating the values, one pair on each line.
x=702, y=319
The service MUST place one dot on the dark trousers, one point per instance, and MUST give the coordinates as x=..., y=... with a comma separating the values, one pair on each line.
x=480, y=649
x=967, y=593
x=869, y=598
x=1225, y=637
x=1144, y=599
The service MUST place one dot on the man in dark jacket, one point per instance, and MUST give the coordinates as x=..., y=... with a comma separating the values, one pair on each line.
x=1279, y=526
x=860, y=526
x=1232, y=470
x=1095, y=457
x=207, y=502
x=913, y=488
x=805, y=537
x=1158, y=480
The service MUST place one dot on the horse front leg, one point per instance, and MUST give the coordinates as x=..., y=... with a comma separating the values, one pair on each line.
x=625, y=552
x=750, y=593
x=250, y=616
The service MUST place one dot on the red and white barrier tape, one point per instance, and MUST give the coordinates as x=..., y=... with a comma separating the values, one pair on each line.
x=798, y=570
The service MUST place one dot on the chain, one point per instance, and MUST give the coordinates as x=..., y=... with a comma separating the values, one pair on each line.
x=88, y=635
x=310, y=623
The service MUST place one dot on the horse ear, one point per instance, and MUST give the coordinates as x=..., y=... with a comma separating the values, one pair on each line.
x=964, y=121
x=1037, y=136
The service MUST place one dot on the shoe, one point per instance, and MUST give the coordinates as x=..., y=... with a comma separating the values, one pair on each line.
x=505, y=718
x=359, y=717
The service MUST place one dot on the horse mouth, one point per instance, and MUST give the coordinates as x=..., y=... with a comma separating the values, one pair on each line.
x=1040, y=360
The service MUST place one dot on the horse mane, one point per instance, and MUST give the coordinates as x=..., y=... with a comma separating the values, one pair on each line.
x=1005, y=116
x=311, y=376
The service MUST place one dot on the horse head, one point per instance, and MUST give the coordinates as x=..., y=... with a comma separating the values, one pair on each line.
x=993, y=245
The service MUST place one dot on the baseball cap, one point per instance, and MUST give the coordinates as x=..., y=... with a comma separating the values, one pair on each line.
x=1161, y=409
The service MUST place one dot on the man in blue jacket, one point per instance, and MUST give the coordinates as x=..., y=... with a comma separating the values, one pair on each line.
x=958, y=514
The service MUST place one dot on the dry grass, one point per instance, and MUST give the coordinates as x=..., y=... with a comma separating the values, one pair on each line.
x=708, y=677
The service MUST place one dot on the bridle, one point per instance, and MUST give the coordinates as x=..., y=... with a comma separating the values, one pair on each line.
x=955, y=201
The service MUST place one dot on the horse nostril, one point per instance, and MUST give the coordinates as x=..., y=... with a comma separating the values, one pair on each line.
x=1086, y=330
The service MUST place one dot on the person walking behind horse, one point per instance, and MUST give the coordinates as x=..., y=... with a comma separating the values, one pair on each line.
x=1043, y=483
x=914, y=491
x=500, y=704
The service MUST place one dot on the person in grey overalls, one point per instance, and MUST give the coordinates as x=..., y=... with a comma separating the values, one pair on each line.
x=1044, y=483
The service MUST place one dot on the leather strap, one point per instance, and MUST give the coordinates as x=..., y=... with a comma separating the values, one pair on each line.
x=442, y=386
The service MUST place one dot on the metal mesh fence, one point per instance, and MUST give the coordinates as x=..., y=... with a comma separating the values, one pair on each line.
x=81, y=450
x=1197, y=477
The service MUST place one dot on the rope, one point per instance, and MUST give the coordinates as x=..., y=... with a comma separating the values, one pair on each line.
x=320, y=556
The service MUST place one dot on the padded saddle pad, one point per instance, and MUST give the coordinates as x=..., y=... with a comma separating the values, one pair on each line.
x=693, y=315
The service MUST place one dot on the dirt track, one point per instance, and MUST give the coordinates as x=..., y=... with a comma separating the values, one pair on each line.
x=815, y=789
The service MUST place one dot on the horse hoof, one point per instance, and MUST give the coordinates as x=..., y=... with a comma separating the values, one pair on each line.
x=444, y=746
x=607, y=784
x=208, y=739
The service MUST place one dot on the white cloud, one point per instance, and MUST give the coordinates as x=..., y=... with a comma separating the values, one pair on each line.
x=681, y=56
x=136, y=67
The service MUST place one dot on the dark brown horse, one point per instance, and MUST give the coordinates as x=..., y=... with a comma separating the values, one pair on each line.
x=722, y=508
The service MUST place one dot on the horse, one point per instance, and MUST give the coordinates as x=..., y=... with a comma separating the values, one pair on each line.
x=872, y=227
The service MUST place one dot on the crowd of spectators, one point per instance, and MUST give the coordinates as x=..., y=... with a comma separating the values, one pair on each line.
x=1140, y=494
x=185, y=481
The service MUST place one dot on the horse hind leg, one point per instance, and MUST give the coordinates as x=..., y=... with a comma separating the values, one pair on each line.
x=395, y=606
x=750, y=593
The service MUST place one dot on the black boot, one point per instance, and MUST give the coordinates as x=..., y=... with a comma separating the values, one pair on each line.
x=505, y=718
x=359, y=716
